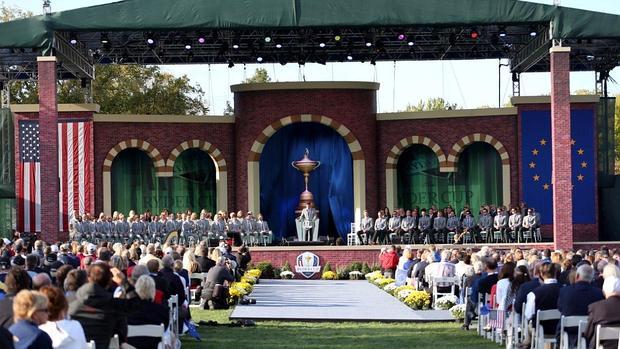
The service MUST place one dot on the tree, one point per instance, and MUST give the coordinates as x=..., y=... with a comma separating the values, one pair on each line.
x=260, y=76
x=120, y=89
x=433, y=103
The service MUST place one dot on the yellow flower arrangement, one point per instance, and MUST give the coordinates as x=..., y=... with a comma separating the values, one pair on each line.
x=418, y=300
x=236, y=292
x=254, y=273
x=404, y=287
x=249, y=279
x=383, y=282
x=329, y=275
x=373, y=276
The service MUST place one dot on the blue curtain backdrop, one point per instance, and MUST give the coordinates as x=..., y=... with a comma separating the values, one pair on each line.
x=331, y=183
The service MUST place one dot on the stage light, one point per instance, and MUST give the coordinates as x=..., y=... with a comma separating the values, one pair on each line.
x=337, y=36
x=533, y=32
x=401, y=36
x=410, y=43
x=188, y=45
x=267, y=39
x=259, y=59
x=202, y=40
x=474, y=34
x=370, y=39
x=73, y=39
x=502, y=32
x=104, y=39
x=236, y=42
x=235, y=46
x=590, y=57
x=150, y=40
x=322, y=44
x=278, y=44
x=349, y=56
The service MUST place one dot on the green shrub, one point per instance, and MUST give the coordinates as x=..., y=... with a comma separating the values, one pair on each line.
x=286, y=266
x=327, y=267
x=355, y=266
x=365, y=269
x=266, y=269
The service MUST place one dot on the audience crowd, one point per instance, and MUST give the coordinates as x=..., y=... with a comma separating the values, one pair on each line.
x=577, y=283
x=65, y=295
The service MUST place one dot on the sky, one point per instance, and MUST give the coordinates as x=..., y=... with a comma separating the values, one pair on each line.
x=469, y=84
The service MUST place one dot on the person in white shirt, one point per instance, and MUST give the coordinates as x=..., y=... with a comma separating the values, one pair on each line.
x=462, y=268
x=503, y=291
x=514, y=225
x=441, y=269
x=65, y=333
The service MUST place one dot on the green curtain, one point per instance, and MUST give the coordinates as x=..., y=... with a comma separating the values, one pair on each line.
x=134, y=185
x=419, y=182
x=193, y=184
x=479, y=177
x=477, y=181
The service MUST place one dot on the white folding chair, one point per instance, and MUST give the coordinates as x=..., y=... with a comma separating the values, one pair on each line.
x=581, y=338
x=114, y=343
x=539, y=338
x=91, y=345
x=525, y=331
x=445, y=282
x=569, y=322
x=173, y=305
x=352, y=235
x=154, y=331
x=606, y=333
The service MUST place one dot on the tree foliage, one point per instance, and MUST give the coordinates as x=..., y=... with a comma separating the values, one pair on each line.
x=260, y=76
x=120, y=89
x=433, y=103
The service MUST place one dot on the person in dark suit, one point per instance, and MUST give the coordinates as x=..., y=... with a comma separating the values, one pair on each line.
x=525, y=289
x=544, y=297
x=575, y=299
x=203, y=259
x=162, y=285
x=151, y=313
x=479, y=287
x=605, y=312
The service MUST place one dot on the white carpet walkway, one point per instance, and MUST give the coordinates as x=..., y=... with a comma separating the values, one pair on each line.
x=314, y=300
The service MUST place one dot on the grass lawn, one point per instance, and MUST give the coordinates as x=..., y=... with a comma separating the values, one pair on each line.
x=358, y=335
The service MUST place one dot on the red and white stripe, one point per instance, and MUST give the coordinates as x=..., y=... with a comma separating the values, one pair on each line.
x=74, y=159
x=29, y=194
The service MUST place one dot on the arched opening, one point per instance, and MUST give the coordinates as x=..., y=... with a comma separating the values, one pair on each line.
x=419, y=181
x=332, y=183
x=134, y=184
x=478, y=179
x=193, y=184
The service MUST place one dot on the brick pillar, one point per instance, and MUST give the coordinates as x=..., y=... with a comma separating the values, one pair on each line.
x=48, y=141
x=561, y=143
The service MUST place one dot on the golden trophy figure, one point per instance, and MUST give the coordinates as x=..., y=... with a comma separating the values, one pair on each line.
x=307, y=223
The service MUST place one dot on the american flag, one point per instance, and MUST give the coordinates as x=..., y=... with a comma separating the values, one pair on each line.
x=496, y=319
x=29, y=177
x=74, y=173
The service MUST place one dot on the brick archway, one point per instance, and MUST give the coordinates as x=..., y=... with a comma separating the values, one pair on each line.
x=221, y=170
x=457, y=150
x=158, y=163
x=357, y=154
x=392, y=160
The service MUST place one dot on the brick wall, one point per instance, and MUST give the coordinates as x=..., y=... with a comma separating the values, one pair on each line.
x=164, y=137
x=446, y=132
x=355, y=109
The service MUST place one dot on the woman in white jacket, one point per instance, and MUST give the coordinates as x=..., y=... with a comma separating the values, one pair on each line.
x=65, y=333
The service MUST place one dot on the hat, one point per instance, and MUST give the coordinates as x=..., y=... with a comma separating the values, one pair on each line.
x=611, y=285
x=19, y=261
x=54, y=248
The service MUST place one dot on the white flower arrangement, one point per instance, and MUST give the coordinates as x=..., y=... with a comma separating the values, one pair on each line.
x=287, y=274
x=403, y=294
x=389, y=288
x=458, y=311
x=446, y=302
x=355, y=275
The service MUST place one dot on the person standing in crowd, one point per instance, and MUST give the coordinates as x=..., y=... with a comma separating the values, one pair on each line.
x=389, y=262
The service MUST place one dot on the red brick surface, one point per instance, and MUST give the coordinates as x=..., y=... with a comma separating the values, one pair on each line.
x=446, y=132
x=355, y=109
x=561, y=147
x=164, y=137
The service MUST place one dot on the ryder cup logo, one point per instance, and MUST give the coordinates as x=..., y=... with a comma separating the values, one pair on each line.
x=307, y=264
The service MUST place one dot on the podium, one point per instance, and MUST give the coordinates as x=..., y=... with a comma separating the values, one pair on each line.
x=300, y=230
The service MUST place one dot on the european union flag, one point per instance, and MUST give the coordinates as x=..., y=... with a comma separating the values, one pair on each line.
x=536, y=163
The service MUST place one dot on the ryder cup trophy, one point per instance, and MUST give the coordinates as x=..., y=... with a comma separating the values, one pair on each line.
x=307, y=223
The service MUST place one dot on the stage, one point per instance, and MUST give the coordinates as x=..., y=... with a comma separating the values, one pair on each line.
x=329, y=300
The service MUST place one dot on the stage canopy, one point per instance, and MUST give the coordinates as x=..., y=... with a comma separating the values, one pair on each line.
x=300, y=31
